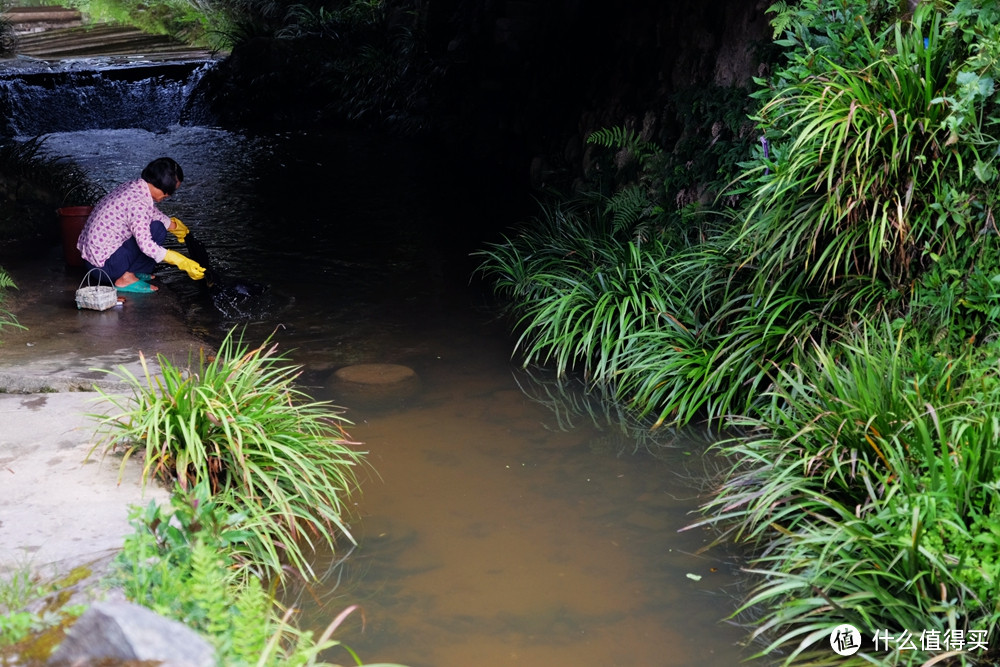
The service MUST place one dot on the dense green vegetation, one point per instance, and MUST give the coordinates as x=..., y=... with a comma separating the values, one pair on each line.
x=184, y=563
x=836, y=306
x=196, y=22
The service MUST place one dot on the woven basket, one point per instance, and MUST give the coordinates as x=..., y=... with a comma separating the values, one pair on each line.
x=96, y=297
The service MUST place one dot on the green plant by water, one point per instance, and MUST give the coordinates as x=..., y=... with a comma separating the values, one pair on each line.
x=867, y=179
x=182, y=562
x=871, y=479
x=236, y=421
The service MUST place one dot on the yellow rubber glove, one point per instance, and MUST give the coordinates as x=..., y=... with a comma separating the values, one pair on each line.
x=180, y=230
x=194, y=270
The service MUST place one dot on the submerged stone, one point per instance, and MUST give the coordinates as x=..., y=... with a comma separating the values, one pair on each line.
x=374, y=385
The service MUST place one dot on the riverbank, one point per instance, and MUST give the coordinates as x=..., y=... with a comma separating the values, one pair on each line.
x=58, y=512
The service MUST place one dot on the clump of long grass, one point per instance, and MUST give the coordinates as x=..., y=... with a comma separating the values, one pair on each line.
x=849, y=148
x=590, y=302
x=673, y=331
x=868, y=488
x=237, y=422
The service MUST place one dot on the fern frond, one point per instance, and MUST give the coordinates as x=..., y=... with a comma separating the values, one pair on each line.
x=615, y=137
x=251, y=623
x=210, y=591
x=623, y=139
x=6, y=282
x=628, y=207
x=782, y=19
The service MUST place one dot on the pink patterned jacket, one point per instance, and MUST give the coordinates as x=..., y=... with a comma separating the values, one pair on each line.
x=123, y=213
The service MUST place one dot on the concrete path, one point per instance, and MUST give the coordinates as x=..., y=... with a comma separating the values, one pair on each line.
x=55, y=509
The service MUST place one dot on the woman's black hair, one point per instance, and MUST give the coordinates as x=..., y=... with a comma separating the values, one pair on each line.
x=164, y=173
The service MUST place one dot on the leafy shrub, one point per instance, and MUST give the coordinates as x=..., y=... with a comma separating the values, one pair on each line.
x=180, y=563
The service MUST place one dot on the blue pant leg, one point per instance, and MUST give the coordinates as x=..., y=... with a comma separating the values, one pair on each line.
x=158, y=231
x=99, y=277
x=144, y=263
x=129, y=257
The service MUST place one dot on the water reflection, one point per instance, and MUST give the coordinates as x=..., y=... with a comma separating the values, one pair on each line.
x=497, y=530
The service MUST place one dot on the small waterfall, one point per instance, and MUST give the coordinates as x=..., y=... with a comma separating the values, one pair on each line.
x=150, y=97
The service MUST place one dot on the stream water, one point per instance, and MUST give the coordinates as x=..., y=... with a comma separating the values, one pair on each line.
x=511, y=521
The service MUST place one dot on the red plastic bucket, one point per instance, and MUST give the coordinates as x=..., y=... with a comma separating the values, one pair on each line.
x=71, y=222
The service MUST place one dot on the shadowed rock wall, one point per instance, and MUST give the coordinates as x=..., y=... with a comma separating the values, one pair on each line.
x=531, y=79
x=516, y=84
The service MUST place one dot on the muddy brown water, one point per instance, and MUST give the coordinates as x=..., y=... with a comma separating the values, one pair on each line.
x=506, y=520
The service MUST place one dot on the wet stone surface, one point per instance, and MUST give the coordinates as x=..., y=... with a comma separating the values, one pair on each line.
x=64, y=348
x=60, y=507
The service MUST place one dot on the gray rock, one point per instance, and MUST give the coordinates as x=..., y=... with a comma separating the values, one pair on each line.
x=125, y=631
